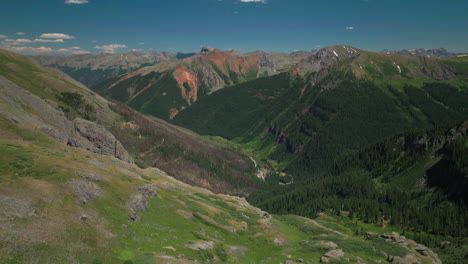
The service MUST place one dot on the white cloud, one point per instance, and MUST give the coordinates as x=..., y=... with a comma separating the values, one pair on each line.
x=135, y=50
x=18, y=41
x=24, y=41
x=110, y=48
x=80, y=52
x=65, y=50
x=76, y=2
x=3, y=36
x=49, y=40
x=94, y=41
x=349, y=28
x=141, y=43
x=56, y=36
x=254, y=1
x=31, y=49
x=20, y=33
x=42, y=49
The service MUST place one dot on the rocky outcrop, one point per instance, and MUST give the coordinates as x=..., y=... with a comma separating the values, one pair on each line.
x=86, y=190
x=97, y=139
x=139, y=200
x=331, y=255
x=438, y=72
x=45, y=116
x=417, y=253
x=320, y=63
x=201, y=245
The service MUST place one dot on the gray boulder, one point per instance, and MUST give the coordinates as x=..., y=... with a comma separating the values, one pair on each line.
x=335, y=254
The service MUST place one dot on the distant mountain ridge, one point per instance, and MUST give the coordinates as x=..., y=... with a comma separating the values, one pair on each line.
x=166, y=88
x=91, y=69
x=435, y=53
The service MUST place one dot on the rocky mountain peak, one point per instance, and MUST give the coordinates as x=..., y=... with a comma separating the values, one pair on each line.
x=205, y=50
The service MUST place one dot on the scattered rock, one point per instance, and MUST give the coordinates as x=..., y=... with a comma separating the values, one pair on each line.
x=332, y=255
x=279, y=242
x=265, y=218
x=201, y=246
x=148, y=191
x=408, y=259
x=84, y=217
x=371, y=235
x=443, y=244
x=421, y=249
x=170, y=248
x=395, y=237
x=86, y=190
x=139, y=201
x=237, y=250
x=90, y=176
x=134, y=217
x=185, y=214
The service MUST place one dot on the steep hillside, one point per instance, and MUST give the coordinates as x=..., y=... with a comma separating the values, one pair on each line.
x=91, y=69
x=70, y=192
x=166, y=89
x=66, y=205
x=43, y=99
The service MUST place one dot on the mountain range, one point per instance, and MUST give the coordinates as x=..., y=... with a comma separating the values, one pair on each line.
x=343, y=156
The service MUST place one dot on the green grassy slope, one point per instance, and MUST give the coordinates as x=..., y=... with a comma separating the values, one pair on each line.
x=45, y=218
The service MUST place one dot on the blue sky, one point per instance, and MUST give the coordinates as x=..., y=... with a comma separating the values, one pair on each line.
x=246, y=25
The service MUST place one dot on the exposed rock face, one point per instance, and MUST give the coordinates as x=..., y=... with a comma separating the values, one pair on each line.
x=43, y=115
x=439, y=73
x=86, y=190
x=201, y=246
x=188, y=84
x=97, y=139
x=139, y=200
x=319, y=64
x=265, y=66
x=332, y=255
